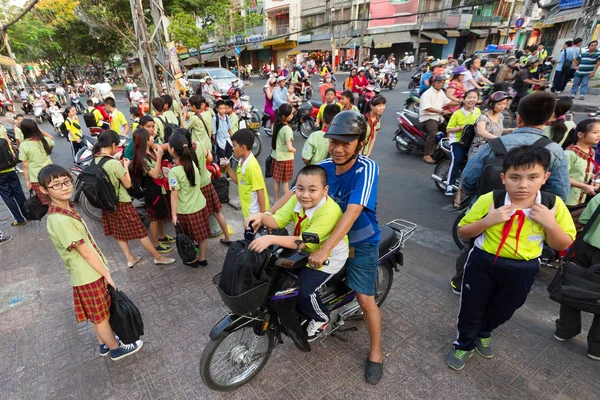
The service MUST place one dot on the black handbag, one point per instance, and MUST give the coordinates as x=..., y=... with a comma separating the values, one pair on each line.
x=185, y=246
x=33, y=209
x=575, y=286
x=269, y=167
x=125, y=318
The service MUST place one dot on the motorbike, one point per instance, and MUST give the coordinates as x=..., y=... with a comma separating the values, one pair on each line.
x=251, y=120
x=413, y=101
x=308, y=91
x=391, y=82
x=3, y=105
x=242, y=342
x=40, y=114
x=366, y=96
x=443, y=161
x=75, y=102
x=415, y=80
x=410, y=135
x=304, y=120
x=57, y=118
x=27, y=107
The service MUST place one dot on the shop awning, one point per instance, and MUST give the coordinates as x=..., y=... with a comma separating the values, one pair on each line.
x=386, y=40
x=435, y=37
x=214, y=56
x=273, y=42
x=480, y=32
x=493, y=31
x=452, y=33
x=561, y=16
x=7, y=61
x=315, y=45
x=190, y=61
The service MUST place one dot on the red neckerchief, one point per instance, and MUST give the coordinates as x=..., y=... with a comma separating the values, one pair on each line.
x=53, y=208
x=520, y=215
x=297, y=227
x=372, y=125
x=589, y=157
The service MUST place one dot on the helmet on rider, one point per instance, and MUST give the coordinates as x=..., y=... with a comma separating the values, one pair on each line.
x=361, y=69
x=435, y=64
x=348, y=126
x=459, y=70
x=532, y=60
x=439, y=78
x=430, y=58
x=498, y=96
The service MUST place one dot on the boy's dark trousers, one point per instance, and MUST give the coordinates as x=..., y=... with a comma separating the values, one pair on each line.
x=569, y=323
x=309, y=302
x=12, y=194
x=226, y=152
x=491, y=293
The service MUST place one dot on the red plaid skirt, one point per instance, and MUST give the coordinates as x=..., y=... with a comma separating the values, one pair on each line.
x=195, y=225
x=123, y=224
x=213, y=205
x=92, y=301
x=44, y=199
x=283, y=171
x=152, y=216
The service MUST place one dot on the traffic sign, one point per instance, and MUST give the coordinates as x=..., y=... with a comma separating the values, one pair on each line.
x=238, y=50
x=520, y=22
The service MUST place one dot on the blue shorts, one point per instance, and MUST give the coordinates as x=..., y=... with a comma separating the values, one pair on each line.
x=361, y=271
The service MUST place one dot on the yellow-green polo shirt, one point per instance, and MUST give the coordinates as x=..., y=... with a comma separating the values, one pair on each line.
x=531, y=239
x=250, y=179
x=321, y=220
x=190, y=197
x=199, y=131
x=459, y=118
x=281, y=152
x=316, y=148
x=67, y=233
x=593, y=236
x=204, y=174
x=115, y=171
x=577, y=167
x=322, y=109
x=33, y=152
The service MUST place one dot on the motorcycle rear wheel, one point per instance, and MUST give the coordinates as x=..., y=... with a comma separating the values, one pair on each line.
x=411, y=85
x=401, y=148
x=442, y=169
x=89, y=210
x=257, y=146
x=234, y=356
x=306, y=128
x=460, y=242
x=385, y=278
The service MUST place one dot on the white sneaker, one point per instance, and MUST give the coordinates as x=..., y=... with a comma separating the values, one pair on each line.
x=593, y=357
x=314, y=328
x=449, y=190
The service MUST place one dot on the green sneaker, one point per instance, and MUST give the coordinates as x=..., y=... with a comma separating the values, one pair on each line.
x=167, y=239
x=457, y=359
x=161, y=248
x=483, y=347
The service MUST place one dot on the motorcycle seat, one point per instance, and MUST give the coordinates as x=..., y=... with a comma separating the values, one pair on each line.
x=388, y=239
x=316, y=104
x=414, y=119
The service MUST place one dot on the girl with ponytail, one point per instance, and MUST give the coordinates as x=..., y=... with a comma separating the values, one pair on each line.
x=558, y=128
x=282, y=149
x=124, y=223
x=188, y=205
x=34, y=152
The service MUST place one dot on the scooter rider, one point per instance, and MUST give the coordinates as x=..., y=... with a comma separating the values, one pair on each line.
x=353, y=181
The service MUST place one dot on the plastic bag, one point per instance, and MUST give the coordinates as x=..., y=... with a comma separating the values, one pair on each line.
x=125, y=318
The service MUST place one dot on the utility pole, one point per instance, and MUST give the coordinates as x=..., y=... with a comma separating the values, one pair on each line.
x=332, y=14
x=144, y=47
x=341, y=19
x=362, y=33
x=421, y=18
x=509, y=22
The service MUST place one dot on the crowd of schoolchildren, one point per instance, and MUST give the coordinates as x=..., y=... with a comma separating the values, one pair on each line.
x=508, y=227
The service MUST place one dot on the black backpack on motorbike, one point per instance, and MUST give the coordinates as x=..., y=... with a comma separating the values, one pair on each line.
x=490, y=175
x=468, y=134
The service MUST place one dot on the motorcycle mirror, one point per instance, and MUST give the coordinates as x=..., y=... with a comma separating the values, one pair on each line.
x=312, y=238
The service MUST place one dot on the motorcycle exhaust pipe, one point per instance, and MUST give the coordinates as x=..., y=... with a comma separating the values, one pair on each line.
x=437, y=178
x=401, y=141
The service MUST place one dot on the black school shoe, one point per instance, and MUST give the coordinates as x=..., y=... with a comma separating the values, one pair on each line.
x=373, y=372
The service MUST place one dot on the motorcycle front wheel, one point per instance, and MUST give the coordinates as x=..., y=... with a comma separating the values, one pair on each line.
x=89, y=210
x=257, y=146
x=306, y=128
x=442, y=169
x=460, y=242
x=411, y=85
x=235, y=358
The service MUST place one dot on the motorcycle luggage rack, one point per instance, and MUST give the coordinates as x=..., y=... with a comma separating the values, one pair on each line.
x=405, y=228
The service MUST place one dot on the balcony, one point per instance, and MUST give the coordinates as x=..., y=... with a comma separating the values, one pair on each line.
x=486, y=20
x=280, y=30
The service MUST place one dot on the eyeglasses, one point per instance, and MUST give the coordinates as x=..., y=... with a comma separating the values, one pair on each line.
x=60, y=185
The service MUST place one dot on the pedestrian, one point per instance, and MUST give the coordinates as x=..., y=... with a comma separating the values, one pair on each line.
x=168, y=112
x=34, y=153
x=557, y=128
x=188, y=205
x=508, y=71
x=135, y=118
x=124, y=223
x=509, y=228
x=282, y=149
x=118, y=122
x=11, y=191
x=248, y=176
x=431, y=113
x=222, y=131
x=86, y=264
x=466, y=115
x=582, y=166
x=375, y=110
x=587, y=253
x=346, y=101
x=327, y=84
x=330, y=99
x=359, y=83
x=559, y=76
x=196, y=123
x=158, y=104
x=233, y=117
x=316, y=148
x=75, y=133
x=147, y=168
x=586, y=63
x=574, y=51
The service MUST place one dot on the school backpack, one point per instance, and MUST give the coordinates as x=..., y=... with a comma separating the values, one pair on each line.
x=125, y=318
x=169, y=128
x=8, y=158
x=468, y=134
x=90, y=119
x=215, y=171
x=490, y=175
x=33, y=209
x=97, y=187
x=222, y=188
x=185, y=246
x=243, y=269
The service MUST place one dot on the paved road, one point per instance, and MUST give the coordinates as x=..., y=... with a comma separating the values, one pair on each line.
x=46, y=355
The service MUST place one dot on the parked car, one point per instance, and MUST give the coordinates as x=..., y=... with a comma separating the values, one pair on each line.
x=221, y=78
x=49, y=83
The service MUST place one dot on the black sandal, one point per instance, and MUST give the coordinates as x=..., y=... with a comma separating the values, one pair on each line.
x=373, y=372
x=225, y=242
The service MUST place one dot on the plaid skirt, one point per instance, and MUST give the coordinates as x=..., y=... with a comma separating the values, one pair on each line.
x=151, y=215
x=213, y=205
x=283, y=171
x=195, y=225
x=123, y=224
x=44, y=199
x=92, y=301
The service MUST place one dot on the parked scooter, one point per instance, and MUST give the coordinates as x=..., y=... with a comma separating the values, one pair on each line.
x=241, y=343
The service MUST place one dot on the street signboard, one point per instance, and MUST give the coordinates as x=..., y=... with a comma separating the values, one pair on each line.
x=565, y=4
x=520, y=22
x=237, y=50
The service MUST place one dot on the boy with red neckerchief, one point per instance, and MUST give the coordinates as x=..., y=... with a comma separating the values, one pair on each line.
x=509, y=228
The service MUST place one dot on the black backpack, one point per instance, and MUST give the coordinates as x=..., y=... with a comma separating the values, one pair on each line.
x=169, y=128
x=90, y=119
x=8, y=157
x=243, y=269
x=33, y=209
x=125, y=318
x=468, y=134
x=185, y=246
x=97, y=186
x=222, y=188
x=490, y=175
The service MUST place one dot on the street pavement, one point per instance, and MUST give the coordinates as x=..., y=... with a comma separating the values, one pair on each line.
x=46, y=355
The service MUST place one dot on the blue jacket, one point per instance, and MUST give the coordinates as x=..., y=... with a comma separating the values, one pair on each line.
x=279, y=97
x=558, y=183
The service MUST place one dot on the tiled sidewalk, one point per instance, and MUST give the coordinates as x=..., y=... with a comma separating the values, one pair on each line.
x=45, y=355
